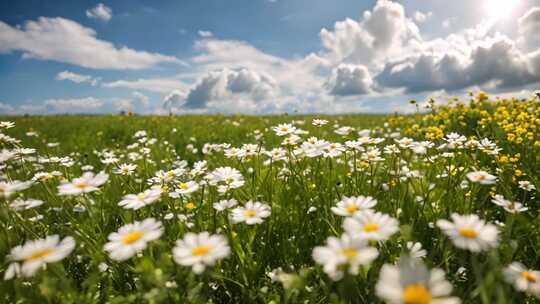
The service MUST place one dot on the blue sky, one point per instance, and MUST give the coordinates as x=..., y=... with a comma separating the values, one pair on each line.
x=261, y=56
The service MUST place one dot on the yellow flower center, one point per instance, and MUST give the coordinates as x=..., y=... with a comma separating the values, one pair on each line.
x=349, y=252
x=371, y=227
x=190, y=205
x=468, y=233
x=352, y=209
x=82, y=185
x=529, y=276
x=250, y=213
x=141, y=196
x=132, y=237
x=416, y=294
x=201, y=250
x=39, y=254
x=481, y=177
x=184, y=186
x=284, y=129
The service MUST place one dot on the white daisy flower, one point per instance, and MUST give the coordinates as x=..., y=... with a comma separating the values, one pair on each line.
x=411, y=282
x=137, y=201
x=482, y=177
x=132, y=238
x=526, y=185
x=185, y=188
x=200, y=250
x=88, y=182
x=223, y=205
x=125, y=169
x=252, y=213
x=348, y=206
x=470, y=232
x=346, y=250
x=34, y=254
x=7, y=189
x=509, y=206
x=19, y=204
x=415, y=250
x=319, y=122
x=225, y=178
x=284, y=129
x=371, y=225
x=523, y=279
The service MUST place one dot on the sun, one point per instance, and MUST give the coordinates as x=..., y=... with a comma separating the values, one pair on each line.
x=500, y=9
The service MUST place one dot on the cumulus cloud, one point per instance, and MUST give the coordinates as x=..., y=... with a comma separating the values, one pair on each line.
x=226, y=85
x=421, y=17
x=380, y=33
x=205, y=34
x=529, y=24
x=158, y=85
x=138, y=102
x=493, y=62
x=74, y=105
x=101, y=12
x=349, y=79
x=174, y=101
x=77, y=78
x=67, y=41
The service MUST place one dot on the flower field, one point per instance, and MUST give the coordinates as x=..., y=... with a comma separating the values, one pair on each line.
x=436, y=207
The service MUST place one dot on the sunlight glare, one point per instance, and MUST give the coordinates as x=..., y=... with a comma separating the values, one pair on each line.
x=500, y=9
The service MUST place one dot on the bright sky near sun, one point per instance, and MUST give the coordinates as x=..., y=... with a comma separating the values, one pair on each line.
x=261, y=56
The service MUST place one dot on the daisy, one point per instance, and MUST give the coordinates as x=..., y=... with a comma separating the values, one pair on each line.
x=345, y=130
x=509, y=206
x=482, y=177
x=19, y=204
x=349, y=206
x=200, y=250
x=415, y=250
x=470, y=232
x=319, y=122
x=371, y=225
x=225, y=178
x=132, y=238
x=526, y=185
x=411, y=282
x=284, y=129
x=346, y=250
x=223, y=205
x=35, y=254
x=7, y=189
x=88, y=182
x=523, y=279
x=187, y=187
x=252, y=213
x=137, y=201
x=126, y=169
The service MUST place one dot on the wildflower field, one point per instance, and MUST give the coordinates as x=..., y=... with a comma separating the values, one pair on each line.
x=436, y=207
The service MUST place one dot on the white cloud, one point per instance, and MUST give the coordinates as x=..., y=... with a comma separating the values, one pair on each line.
x=138, y=102
x=174, y=101
x=381, y=33
x=67, y=41
x=75, y=105
x=205, y=34
x=447, y=23
x=529, y=24
x=349, y=79
x=459, y=62
x=77, y=78
x=101, y=12
x=421, y=17
x=159, y=85
x=224, y=86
